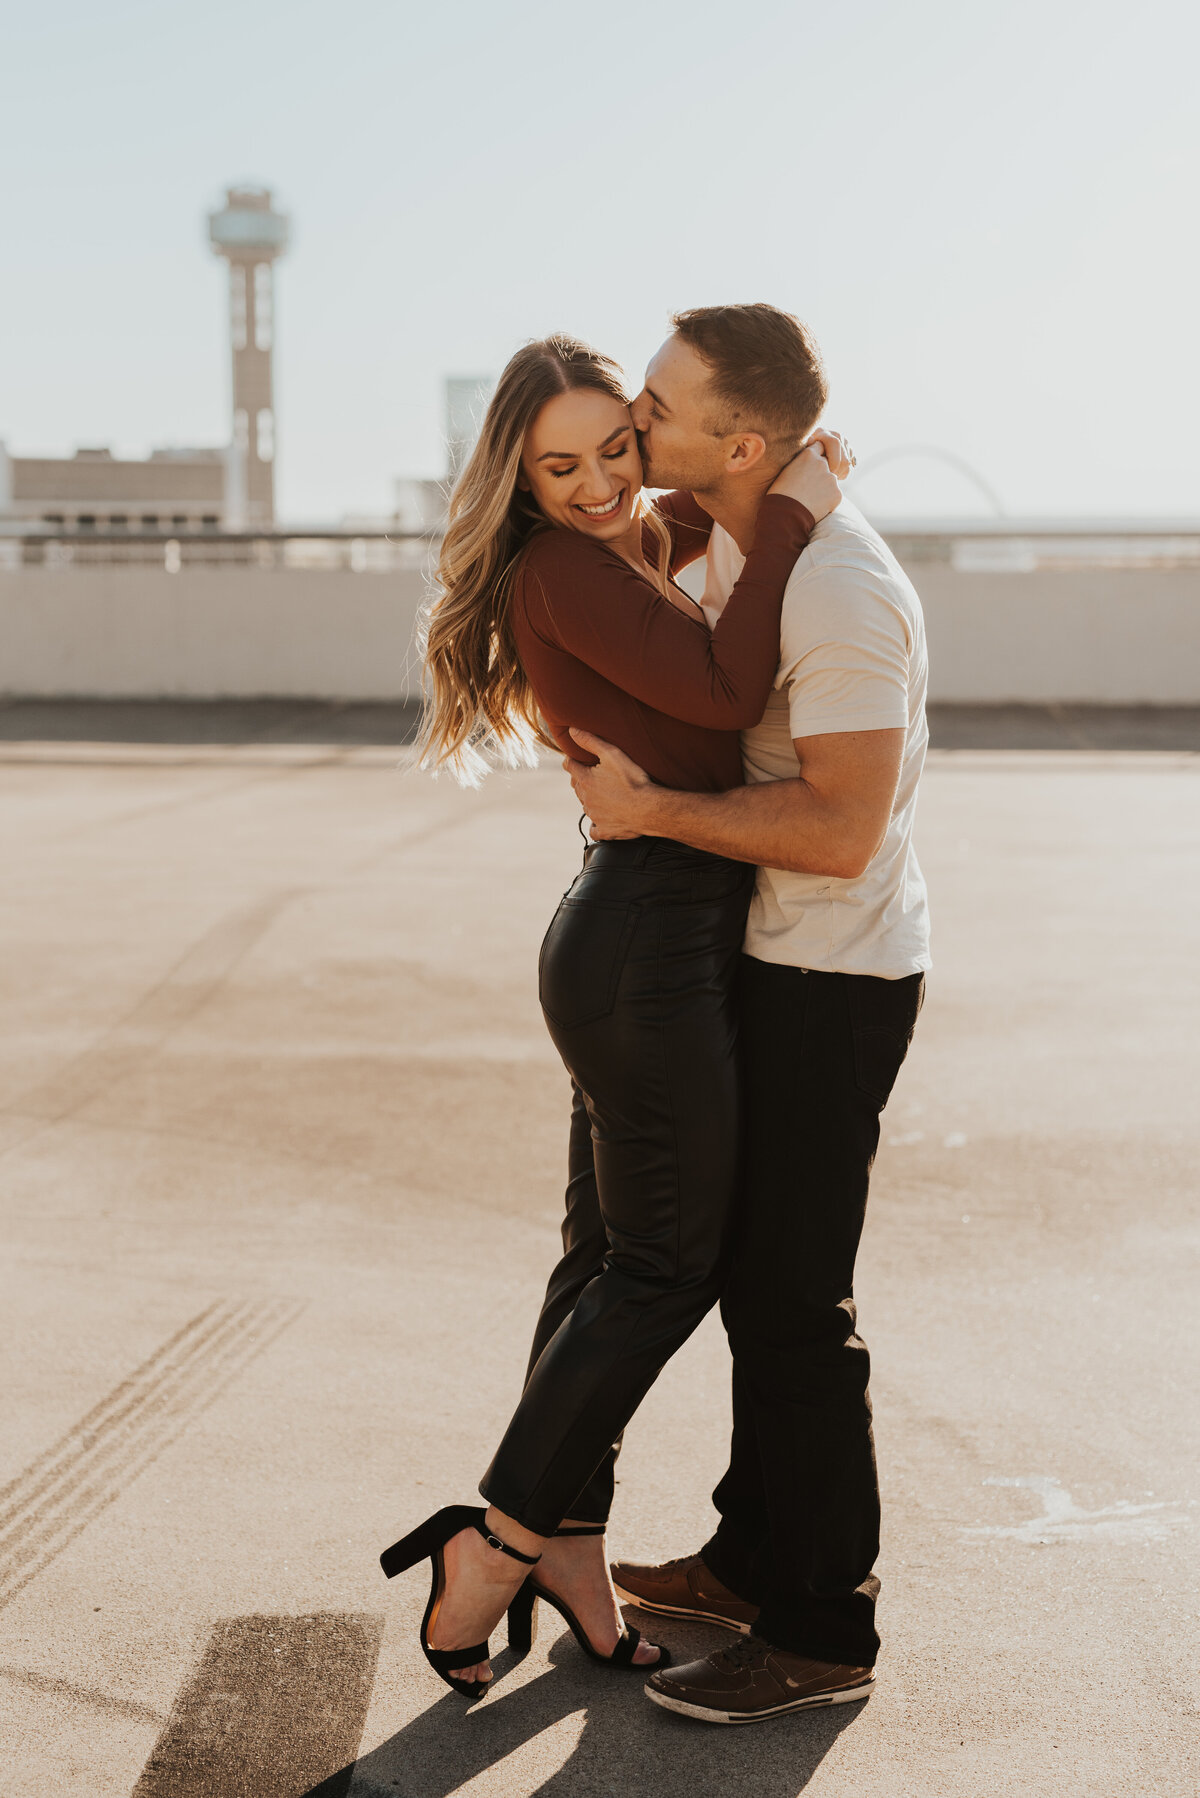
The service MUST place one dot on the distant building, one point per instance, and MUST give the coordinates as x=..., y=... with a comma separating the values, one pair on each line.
x=467, y=399
x=93, y=490
x=250, y=235
x=185, y=492
x=180, y=490
x=421, y=504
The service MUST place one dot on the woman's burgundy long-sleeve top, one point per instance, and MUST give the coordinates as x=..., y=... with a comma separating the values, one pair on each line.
x=604, y=650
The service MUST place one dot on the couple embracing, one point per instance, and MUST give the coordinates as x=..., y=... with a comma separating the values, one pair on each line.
x=732, y=982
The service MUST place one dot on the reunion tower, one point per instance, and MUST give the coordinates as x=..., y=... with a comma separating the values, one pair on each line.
x=250, y=234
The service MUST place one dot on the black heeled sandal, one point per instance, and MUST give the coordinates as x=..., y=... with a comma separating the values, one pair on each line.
x=429, y=1541
x=622, y=1655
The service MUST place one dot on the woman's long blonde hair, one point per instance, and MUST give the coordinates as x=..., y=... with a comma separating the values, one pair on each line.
x=479, y=705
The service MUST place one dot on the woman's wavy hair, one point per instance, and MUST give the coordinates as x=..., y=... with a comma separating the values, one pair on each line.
x=479, y=705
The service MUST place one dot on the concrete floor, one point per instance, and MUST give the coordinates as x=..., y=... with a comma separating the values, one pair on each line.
x=282, y=1144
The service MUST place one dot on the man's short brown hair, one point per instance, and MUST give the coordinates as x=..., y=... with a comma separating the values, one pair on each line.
x=767, y=373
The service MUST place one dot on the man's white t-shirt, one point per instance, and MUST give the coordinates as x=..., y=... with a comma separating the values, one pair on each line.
x=852, y=646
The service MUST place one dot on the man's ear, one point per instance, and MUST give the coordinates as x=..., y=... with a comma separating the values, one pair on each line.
x=745, y=452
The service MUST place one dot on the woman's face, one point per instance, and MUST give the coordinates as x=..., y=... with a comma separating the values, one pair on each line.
x=581, y=463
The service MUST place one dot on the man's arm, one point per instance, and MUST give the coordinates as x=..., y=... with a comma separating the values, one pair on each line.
x=830, y=820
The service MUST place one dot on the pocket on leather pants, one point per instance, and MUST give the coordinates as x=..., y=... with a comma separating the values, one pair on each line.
x=582, y=959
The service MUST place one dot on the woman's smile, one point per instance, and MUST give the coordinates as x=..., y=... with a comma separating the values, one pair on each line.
x=608, y=509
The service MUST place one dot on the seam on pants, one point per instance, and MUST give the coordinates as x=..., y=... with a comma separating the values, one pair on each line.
x=619, y=1352
x=573, y=1424
x=626, y=1346
x=670, y=1091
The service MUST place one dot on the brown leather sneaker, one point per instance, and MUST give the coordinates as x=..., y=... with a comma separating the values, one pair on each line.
x=683, y=1588
x=750, y=1681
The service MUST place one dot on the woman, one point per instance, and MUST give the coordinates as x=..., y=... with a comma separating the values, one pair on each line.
x=552, y=614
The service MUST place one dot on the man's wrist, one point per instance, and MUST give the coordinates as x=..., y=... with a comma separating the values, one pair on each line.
x=654, y=810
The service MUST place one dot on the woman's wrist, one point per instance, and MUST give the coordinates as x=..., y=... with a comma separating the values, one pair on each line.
x=797, y=509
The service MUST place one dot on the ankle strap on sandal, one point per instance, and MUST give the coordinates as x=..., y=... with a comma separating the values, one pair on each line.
x=582, y=1529
x=495, y=1542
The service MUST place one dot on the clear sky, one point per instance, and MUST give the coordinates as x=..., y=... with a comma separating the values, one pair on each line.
x=990, y=216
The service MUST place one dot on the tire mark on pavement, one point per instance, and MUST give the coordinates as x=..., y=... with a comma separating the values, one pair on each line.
x=194, y=979
x=50, y=1687
x=173, y=1000
x=222, y=789
x=136, y=1400
x=64, y=1489
x=274, y=1710
x=140, y=1388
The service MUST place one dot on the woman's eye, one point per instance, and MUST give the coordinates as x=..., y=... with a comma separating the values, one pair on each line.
x=615, y=455
x=558, y=473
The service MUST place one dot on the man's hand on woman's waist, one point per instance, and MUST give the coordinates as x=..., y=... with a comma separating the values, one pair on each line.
x=830, y=820
x=616, y=794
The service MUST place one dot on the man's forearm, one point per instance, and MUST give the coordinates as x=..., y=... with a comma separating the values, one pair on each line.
x=778, y=824
x=830, y=820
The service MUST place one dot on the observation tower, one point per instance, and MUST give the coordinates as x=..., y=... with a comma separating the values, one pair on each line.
x=250, y=234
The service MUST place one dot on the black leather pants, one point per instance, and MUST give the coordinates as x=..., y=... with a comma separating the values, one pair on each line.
x=637, y=987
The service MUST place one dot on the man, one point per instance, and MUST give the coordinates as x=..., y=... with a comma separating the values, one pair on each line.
x=833, y=974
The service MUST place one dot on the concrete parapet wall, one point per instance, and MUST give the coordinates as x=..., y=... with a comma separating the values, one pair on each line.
x=207, y=633
x=1105, y=636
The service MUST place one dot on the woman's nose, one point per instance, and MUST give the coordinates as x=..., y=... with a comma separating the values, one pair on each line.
x=599, y=486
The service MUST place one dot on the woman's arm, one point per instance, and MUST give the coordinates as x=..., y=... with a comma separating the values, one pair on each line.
x=584, y=599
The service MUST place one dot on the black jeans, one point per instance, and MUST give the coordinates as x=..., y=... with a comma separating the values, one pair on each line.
x=799, y=1530
x=637, y=979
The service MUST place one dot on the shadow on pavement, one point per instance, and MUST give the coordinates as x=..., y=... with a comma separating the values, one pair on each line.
x=627, y=1745
x=324, y=722
x=209, y=721
x=1095, y=727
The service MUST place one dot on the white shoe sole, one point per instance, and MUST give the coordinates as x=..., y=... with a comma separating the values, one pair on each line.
x=702, y=1714
x=674, y=1610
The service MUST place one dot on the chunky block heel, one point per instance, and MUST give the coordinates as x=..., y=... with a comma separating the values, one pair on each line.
x=522, y=1620
x=428, y=1542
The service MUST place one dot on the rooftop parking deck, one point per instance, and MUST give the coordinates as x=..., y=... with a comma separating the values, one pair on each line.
x=283, y=1141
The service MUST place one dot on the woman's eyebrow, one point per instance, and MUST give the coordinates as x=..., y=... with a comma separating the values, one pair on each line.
x=570, y=455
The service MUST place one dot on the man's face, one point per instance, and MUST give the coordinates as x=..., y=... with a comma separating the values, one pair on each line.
x=671, y=415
